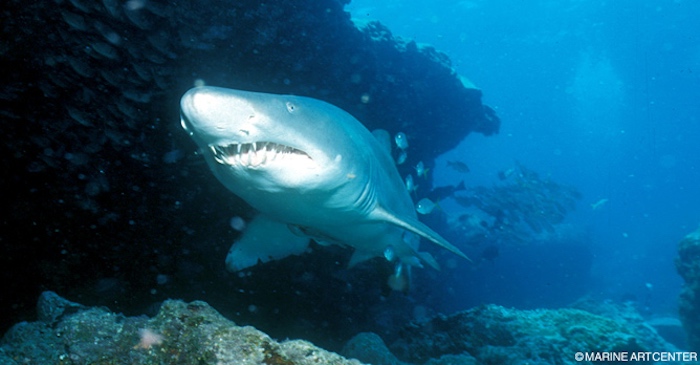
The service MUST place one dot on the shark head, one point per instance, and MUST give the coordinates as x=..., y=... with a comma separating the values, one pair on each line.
x=268, y=142
x=280, y=153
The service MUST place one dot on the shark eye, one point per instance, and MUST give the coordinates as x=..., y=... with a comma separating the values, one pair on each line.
x=290, y=107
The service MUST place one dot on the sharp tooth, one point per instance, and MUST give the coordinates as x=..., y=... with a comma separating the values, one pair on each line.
x=218, y=155
x=263, y=156
x=254, y=157
x=238, y=148
x=254, y=146
x=268, y=150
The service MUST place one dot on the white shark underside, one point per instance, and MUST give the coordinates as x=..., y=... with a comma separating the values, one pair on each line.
x=312, y=171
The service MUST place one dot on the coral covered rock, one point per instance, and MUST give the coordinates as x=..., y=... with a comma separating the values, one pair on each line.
x=496, y=335
x=370, y=348
x=182, y=333
x=688, y=266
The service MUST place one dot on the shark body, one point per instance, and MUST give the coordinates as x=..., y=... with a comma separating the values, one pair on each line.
x=312, y=171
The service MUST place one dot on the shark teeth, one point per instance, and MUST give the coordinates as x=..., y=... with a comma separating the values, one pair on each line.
x=254, y=154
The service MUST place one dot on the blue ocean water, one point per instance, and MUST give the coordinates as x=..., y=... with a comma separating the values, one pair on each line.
x=599, y=95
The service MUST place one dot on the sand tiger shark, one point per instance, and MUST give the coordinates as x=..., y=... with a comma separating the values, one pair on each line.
x=312, y=171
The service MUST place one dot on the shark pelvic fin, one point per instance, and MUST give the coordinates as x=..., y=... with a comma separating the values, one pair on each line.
x=415, y=226
x=264, y=240
x=358, y=257
x=428, y=259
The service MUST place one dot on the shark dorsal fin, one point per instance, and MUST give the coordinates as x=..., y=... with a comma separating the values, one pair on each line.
x=383, y=138
x=415, y=226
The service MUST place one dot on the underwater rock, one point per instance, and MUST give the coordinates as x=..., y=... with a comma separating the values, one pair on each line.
x=496, y=335
x=183, y=333
x=370, y=348
x=461, y=359
x=657, y=330
x=688, y=266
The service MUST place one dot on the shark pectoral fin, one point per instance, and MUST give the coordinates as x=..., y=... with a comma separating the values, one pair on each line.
x=415, y=226
x=264, y=240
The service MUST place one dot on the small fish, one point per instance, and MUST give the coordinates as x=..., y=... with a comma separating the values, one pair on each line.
x=389, y=254
x=442, y=192
x=397, y=281
x=173, y=156
x=597, y=205
x=401, y=140
x=502, y=175
x=458, y=166
x=421, y=170
x=402, y=157
x=425, y=206
x=410, y=186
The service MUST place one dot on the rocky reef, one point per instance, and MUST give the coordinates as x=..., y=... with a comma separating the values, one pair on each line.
x=688, y=266
x=181, y=333
x=492, y=334
x=194, y=333
x=109, y=196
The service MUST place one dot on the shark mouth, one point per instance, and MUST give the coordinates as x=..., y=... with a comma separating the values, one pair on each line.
x=255, y=154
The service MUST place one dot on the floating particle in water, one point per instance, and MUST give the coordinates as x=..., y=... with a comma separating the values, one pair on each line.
x=237, y=223
x=162, y=279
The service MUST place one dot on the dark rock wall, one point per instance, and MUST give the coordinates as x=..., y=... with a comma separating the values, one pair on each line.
x=105, y=199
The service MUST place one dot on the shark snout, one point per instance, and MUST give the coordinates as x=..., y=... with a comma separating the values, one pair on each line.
x=215, y=112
